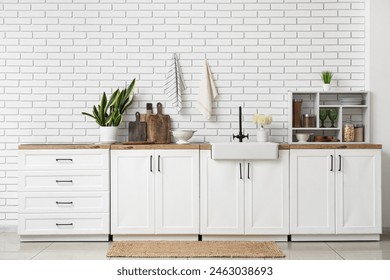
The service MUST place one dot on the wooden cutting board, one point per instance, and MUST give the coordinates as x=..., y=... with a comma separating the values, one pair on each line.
x=159, y=126
x=137, y=129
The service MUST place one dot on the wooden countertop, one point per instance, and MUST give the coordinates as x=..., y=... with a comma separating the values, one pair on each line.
x=173, y=146
x=191, y=146
x=334, y=146
x=63, y=146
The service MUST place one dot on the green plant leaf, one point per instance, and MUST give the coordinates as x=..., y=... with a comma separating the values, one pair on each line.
x=109, y=111
x=326, y=77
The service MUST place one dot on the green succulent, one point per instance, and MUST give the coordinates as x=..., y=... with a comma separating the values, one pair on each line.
x=326, y=77
x=109, y=112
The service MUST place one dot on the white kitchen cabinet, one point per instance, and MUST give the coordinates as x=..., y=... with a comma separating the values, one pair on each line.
x=177, y=192
x=335, y=194
x=244, y=197
x=222, y=196
x=155, y=192
x=132, y=192
x=63, y=194
x=358, y=191
x=267, y=195
x=312, y=191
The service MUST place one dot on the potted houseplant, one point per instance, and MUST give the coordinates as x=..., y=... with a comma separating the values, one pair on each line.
x=262, y=120
x=326, y=77
x=108, y=114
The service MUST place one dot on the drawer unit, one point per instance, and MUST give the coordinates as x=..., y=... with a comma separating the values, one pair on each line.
x=63, y=159
x=72, y=180
x=63, y=202
x=64, y=194
x=63, y=224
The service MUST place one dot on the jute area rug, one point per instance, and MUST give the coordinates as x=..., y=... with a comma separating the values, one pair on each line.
x=195, y=249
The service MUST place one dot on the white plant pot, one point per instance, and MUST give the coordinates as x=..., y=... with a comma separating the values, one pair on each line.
x=108, y=134
x=326, y=87
x=262, y=135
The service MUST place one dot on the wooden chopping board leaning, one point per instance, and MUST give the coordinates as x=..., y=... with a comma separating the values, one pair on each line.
x=137, y=130
x=158, y=127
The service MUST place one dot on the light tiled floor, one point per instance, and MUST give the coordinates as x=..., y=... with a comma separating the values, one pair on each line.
x=12, y=249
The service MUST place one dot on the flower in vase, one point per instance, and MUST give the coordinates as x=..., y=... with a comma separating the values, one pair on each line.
x=262, y=120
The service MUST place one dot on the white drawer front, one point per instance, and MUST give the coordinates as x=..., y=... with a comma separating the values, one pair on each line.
x=87, y=180
x=60, y=202
x=63, y=224
x=63, y=159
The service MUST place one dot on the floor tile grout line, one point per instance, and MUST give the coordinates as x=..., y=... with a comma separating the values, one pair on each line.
x=327, y=244
x=42, y=250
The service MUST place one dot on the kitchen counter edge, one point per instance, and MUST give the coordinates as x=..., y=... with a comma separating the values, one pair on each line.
x=191, y=146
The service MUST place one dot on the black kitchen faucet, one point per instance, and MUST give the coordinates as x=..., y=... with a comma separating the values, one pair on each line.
x=240, y=136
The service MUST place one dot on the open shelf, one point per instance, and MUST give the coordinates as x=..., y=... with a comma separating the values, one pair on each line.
x=315, y=128
x=343, y=106
x=313, y=102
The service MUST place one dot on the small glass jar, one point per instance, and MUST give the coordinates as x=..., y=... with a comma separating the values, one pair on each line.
x=348, y=132
x=309, y=120
x=359, y=133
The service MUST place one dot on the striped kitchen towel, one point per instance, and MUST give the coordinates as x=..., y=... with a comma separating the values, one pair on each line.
x=174, y=83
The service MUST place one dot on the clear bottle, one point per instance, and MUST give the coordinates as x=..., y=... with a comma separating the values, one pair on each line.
x=348, y=132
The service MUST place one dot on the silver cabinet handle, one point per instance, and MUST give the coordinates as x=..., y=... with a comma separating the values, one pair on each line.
x=240, y=171
x=151, y=163
x=339, y=162
x=248, y=170
x=64, y=159
x=331, y=162
x=69, y=224
x=64, y=181
x=64, y=202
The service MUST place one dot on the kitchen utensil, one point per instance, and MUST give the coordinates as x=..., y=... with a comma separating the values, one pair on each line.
x=302, y=137
x=359, y=132
x=309, y=120
x=159, y=126
x=297, y=109
x=348, y=131
x=332, y=114
x=182, y=135
x=137, y=129
x=351, y=100
x=323, y=115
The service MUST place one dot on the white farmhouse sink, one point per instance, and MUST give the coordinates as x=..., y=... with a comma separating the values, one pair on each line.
x=245, y=150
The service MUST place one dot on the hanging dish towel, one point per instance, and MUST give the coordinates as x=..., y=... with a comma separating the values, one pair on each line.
x=174, y=83
x=207, y=92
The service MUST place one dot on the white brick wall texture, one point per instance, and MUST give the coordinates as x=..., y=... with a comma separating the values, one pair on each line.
x=58, y=56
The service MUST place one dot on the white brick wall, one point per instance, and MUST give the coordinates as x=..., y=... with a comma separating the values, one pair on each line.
x=58, y=56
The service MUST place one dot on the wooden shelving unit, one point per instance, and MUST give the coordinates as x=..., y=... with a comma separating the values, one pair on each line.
x=314, y=101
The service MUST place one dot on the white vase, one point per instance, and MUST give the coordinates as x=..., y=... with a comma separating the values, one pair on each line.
x=262, y=135
x=108, y=134
x=326, y=87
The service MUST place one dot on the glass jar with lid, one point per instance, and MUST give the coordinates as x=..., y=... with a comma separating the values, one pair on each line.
x=309, y=120
x=348, y=132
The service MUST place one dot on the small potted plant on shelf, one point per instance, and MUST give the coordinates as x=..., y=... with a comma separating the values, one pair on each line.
x=262, y=120
x=326, y=79
x=108, y=114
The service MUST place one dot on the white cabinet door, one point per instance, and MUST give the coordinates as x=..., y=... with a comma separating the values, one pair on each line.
x=222, y=196
x=177, y=191
x=358, y=194
x=132, y=192
x=312, y=187
x=267, y=195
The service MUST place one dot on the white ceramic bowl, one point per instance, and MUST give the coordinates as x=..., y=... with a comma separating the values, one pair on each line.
x=302, y=137
x=182, y=135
